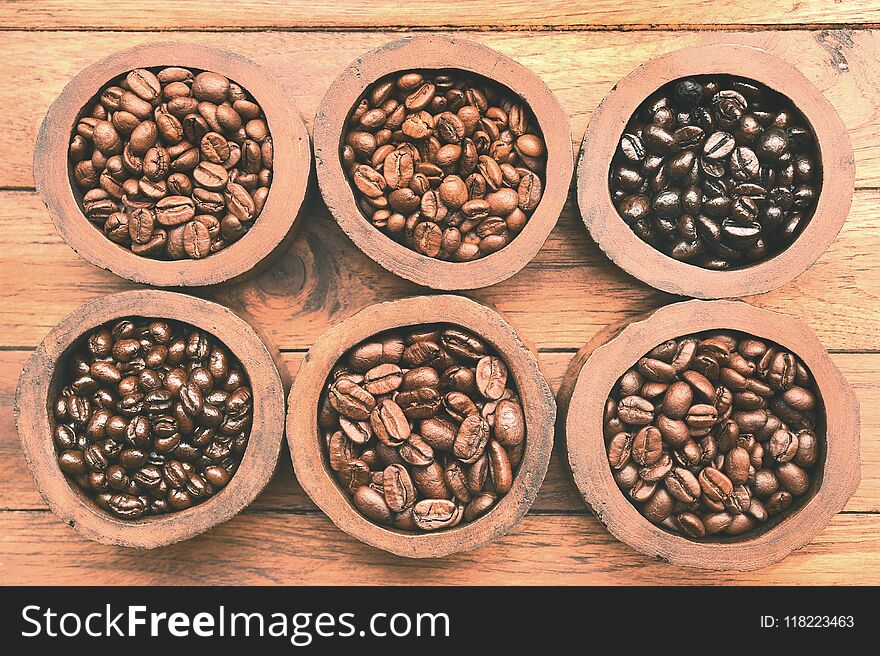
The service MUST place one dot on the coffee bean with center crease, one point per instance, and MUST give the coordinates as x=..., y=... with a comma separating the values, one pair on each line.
x=159, y=151
x=714, y=433
x=741, y=168
x=427, y=418
x=138, y=416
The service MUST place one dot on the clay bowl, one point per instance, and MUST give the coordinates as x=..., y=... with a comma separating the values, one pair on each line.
x=651, y=266
x=307, y=451
x=441, y=52
x=598, y=365
x=271, y=231
x=39, y=381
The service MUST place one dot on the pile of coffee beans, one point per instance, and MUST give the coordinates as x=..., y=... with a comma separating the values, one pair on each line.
x=446, y=163
x=714, y=434
x=152, y=417
x=423, y=427
x=717, y=171
x=172, y=163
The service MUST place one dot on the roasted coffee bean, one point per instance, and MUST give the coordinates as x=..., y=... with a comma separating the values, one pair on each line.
x=741, y=166
x=398, y=488
x=160, y=149
x=713, y=433
x=150, y=428
x=491, y=377
x=647, y=446
x=658, y=507
x=351, y=400
x=454, y=157
x=388, y=422
x=371, y=503
x=635, y=410
x=429, y=419
x=435, y=514
x=683, y=485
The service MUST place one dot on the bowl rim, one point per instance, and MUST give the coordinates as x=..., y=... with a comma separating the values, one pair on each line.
x=663, y=272
x=307, y=453
x=291, y=167
x=34, y=423
x=593, y=373
x=436, y=52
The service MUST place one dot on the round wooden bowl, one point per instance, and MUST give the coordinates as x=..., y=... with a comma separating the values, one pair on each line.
x=441, y=52
x=269, y=233
x=651, y=266
x=39, y=383
x=310, y=461
x=597, y=367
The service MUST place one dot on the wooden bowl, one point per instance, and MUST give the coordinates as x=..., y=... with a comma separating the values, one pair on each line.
x=39, y=383
x=441, y=52
x=651, y=266
x=597, y=367
x=307, y=451
x=269, y=233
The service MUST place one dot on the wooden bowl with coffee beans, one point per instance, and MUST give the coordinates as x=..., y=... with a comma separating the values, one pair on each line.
x=148, y=417
x=715, y=171
x=711, y=434
x=444, y=161
x=422, y=426
x=174, y=164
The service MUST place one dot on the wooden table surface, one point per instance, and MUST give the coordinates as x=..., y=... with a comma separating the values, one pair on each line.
x=558, y=302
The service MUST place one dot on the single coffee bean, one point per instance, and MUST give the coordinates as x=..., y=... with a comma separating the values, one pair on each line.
x=371, y=504
x=400, y=493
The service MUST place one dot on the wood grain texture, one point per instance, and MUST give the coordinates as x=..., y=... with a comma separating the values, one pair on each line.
x=566, y=295
x=322, y=279
x=583, y=67
x=272, y=548
x=558, y=494
x=484, y=14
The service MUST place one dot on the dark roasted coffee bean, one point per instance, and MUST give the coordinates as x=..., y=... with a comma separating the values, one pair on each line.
x=717, y=163
x=156, y=422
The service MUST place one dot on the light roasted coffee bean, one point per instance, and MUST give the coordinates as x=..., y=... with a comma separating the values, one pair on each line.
x=426, y=418
x=713, y=433
x=157, y=414
x=172, y=154
x=451, y=167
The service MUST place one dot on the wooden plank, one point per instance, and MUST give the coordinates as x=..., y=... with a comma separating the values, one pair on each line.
x=276, y=549
x=474, y=14
x=323, y=279
x=582, y=69
x=558, y=494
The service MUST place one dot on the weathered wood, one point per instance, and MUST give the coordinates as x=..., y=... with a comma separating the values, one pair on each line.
x=273, y=548
x=567, y=293
x=479, y=14
x=558, y=302
x=558, y=494
x=580, y=71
